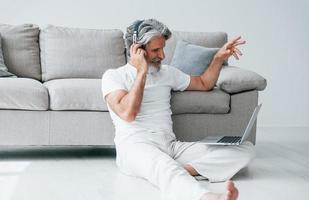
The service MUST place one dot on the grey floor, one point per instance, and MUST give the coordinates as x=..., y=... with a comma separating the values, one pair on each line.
x=280, y=171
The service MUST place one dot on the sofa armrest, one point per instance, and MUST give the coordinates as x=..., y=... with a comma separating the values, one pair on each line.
x=234, y=80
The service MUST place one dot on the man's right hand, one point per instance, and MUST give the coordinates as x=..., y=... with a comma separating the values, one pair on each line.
x=127, y=104
x=138, y=59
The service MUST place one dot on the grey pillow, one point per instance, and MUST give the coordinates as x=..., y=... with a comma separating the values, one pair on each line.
x=235, y=80
x=20, y=49
x=79, y=52
x=192, y=59
x=3, y=69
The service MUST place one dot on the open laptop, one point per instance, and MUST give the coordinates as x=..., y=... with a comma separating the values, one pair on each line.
x=233, y=140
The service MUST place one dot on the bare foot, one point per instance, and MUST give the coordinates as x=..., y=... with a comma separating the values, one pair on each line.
x=231, y=193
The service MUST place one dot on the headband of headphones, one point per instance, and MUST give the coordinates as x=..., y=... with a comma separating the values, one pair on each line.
x=135, y=30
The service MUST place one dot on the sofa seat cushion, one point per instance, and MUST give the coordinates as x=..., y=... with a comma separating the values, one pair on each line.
x=23, y=94
x=76, y=94
x=211, y=102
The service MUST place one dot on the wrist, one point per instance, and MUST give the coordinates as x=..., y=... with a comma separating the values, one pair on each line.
x=141, y=72
x=217, y=59
x=142, y=69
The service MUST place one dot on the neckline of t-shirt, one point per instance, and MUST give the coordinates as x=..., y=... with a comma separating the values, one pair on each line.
x=132, y=68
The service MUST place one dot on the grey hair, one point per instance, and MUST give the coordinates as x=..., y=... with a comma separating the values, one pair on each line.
x=148, y=29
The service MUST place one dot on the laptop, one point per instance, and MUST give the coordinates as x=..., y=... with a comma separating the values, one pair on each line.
x=233, y=140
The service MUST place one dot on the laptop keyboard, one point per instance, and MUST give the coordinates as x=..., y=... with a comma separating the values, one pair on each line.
x=230, y=139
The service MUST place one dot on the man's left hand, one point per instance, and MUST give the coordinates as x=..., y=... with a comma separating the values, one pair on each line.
x=230, y=48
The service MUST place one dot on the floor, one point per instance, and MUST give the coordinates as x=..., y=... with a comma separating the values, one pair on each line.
x=280, y=171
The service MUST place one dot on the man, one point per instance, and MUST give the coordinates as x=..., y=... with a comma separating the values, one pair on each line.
x=138, y=98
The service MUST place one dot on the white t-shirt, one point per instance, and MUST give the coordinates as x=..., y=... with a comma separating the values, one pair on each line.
x=155, y=113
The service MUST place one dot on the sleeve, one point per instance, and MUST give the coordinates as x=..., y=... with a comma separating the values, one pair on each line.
x=111, y=81
x=180, y=80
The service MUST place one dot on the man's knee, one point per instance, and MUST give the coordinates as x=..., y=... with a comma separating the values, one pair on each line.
x=247, y=152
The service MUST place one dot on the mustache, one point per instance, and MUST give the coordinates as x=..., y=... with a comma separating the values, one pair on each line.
x=156, y=60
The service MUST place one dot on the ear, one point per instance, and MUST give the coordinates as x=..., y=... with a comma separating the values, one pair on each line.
x=145, y=49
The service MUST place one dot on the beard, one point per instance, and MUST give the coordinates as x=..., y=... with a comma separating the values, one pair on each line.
x=154, y=65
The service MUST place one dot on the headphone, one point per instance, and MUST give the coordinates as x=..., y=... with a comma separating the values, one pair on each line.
x=135, y=30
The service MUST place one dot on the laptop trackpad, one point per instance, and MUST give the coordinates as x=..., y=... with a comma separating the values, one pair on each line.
x=211, y=139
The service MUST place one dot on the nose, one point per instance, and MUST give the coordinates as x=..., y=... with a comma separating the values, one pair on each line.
x=161, y=54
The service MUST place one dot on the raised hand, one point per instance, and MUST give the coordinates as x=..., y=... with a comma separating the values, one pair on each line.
x=138, y=59
x=230, y=48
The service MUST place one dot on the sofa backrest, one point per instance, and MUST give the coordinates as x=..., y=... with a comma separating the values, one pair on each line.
x=80, y=53
x=60, y=52
x=206, y=39
x=21, y=51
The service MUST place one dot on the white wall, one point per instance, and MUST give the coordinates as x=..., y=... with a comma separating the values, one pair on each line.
x=277, y=34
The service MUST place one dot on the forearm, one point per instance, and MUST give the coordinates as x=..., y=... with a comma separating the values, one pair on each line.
x=133, y=100
x=210, y=76
x=129, y=104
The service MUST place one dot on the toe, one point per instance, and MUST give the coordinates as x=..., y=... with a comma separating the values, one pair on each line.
x=230, y=185
x=235, y=194
x=229, y=195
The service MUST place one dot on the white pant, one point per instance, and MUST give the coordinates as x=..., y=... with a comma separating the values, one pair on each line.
x=160, y=158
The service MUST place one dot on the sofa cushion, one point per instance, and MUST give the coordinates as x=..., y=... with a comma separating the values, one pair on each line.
x=193, y=59
x=212, y=102
x=3, y=69
x=76, y=94
x=23, y=94
x=235, y=79
x=80, y=53
x=20, y=46
x=205, y=39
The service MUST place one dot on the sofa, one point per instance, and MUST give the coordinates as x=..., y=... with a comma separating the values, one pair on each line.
x=56, y=98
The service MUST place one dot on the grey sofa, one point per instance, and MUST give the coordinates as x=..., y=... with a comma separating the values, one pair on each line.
x=57, y=99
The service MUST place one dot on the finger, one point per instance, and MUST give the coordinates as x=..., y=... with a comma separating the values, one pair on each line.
x=233, y=46
x=236, y=56
x=143, y=52
x=238, y=51
x=235, y=193
x=239, y=43
x=229, y=195
x=135, y=47
x=229, y=184
x=233, y=41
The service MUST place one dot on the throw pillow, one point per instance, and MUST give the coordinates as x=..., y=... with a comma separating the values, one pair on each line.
x=3, y=69
x=235, y=79
x=193, y=59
